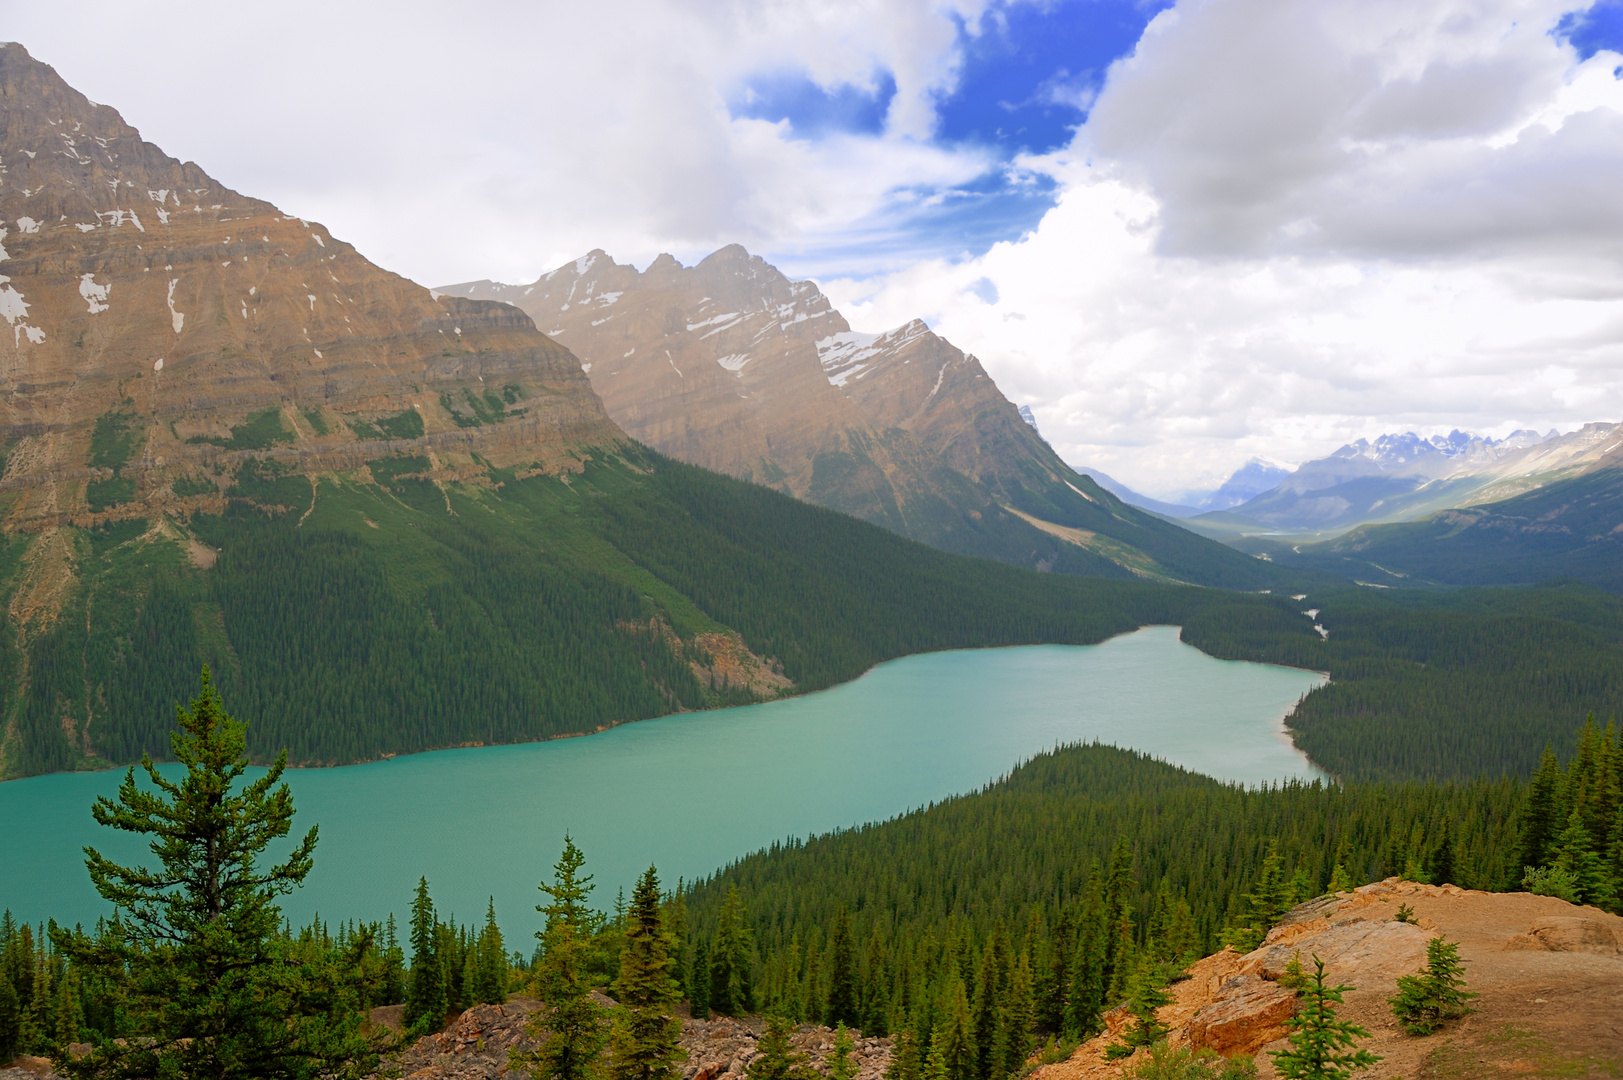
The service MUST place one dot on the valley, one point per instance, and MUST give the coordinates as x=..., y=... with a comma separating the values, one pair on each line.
x=850, y=704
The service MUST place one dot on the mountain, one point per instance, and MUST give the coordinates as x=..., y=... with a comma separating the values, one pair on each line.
x=164, y=325
x=1547, y=511
x=1244, y=484
x=731, y=365
x=1393, y=478
x=1133, y=498
x=388, y=521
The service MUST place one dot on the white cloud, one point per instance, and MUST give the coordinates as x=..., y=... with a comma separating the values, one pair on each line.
x=1287, y=225
x=497, y=138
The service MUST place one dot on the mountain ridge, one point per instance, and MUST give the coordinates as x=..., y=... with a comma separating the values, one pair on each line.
x=731, y=365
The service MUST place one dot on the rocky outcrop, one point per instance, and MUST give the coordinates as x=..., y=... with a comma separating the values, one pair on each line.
x=1567, y=934
x=478, y=1043
x=199, y=327
x=1548, y=974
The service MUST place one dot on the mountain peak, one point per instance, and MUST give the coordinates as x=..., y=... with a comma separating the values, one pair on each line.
x=183, y=311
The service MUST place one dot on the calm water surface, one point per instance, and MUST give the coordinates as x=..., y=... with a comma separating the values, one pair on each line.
x=690, y=793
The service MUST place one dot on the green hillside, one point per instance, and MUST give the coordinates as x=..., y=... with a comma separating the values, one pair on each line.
x=380, y=612
x=1567, y=529
x=1439, y=684
x=1079, y=864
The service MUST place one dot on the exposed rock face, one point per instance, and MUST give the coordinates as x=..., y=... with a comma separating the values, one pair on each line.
x=1548, y=974
x=209, y=324
x=731, y=365
x=1245, y=1015
x=1567, y=934
x=477, y=1044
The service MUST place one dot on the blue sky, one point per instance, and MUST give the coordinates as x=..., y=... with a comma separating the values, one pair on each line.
x=1026, y=75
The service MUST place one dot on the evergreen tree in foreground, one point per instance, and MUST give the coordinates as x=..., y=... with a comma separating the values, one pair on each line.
x=1435, y=994
x=1146, y=993
x=208, y=987
x=776, y=1058
x=644, y=1043
x=840, y=1065
x=1320, y=1045
x=425, y=986
x=571, y=1026
x=490, y=962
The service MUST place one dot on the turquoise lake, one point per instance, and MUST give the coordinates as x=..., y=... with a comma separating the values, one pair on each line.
x=690, y=793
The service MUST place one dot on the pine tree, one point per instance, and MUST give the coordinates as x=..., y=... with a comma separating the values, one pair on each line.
x=490, y=961
x=1146, y=993
x=393, y=981
x=904, y=1058
x=876, y=999
x=1056, y=987
x=1541, y=815
x=1435, y=994
x=1319, y=1043
x=11, y=1017
x=70, y=1013
x=1442, y=869
x=1017, y=1020
x=1264, y=904
x=1575, y=855
x=842, y=973
x=207, y=985
x=731, y=955
x=1340, y=880
x=775, y=1057
x=952, y=1049
x=425, y=987
x=572, y=1027
x=699, y=981
x=840, y=1065
x=644, y=1043
x=984, y=1014
x=1118, y=921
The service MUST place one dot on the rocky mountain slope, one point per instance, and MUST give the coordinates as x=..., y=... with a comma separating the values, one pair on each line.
x=731, y=365
x=163, y=325
x=1549, y=975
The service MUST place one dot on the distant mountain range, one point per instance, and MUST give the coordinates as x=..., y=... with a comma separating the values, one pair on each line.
x=1246, y=482
x=731, y=365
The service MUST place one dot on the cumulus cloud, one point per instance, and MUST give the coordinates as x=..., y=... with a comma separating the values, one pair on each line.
x=500, y=137
x=1288, y=225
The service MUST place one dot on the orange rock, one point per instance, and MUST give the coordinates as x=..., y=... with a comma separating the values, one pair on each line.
x=1250, y=1014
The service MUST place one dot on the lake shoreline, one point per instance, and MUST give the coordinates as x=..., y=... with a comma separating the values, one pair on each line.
x=782, y=696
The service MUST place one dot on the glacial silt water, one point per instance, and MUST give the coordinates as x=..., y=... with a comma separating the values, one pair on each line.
x=692, y=792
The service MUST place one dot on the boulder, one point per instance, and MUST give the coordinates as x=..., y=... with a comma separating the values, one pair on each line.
x=1251, y=1013
x=1375, y=949
x=1567, y=933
